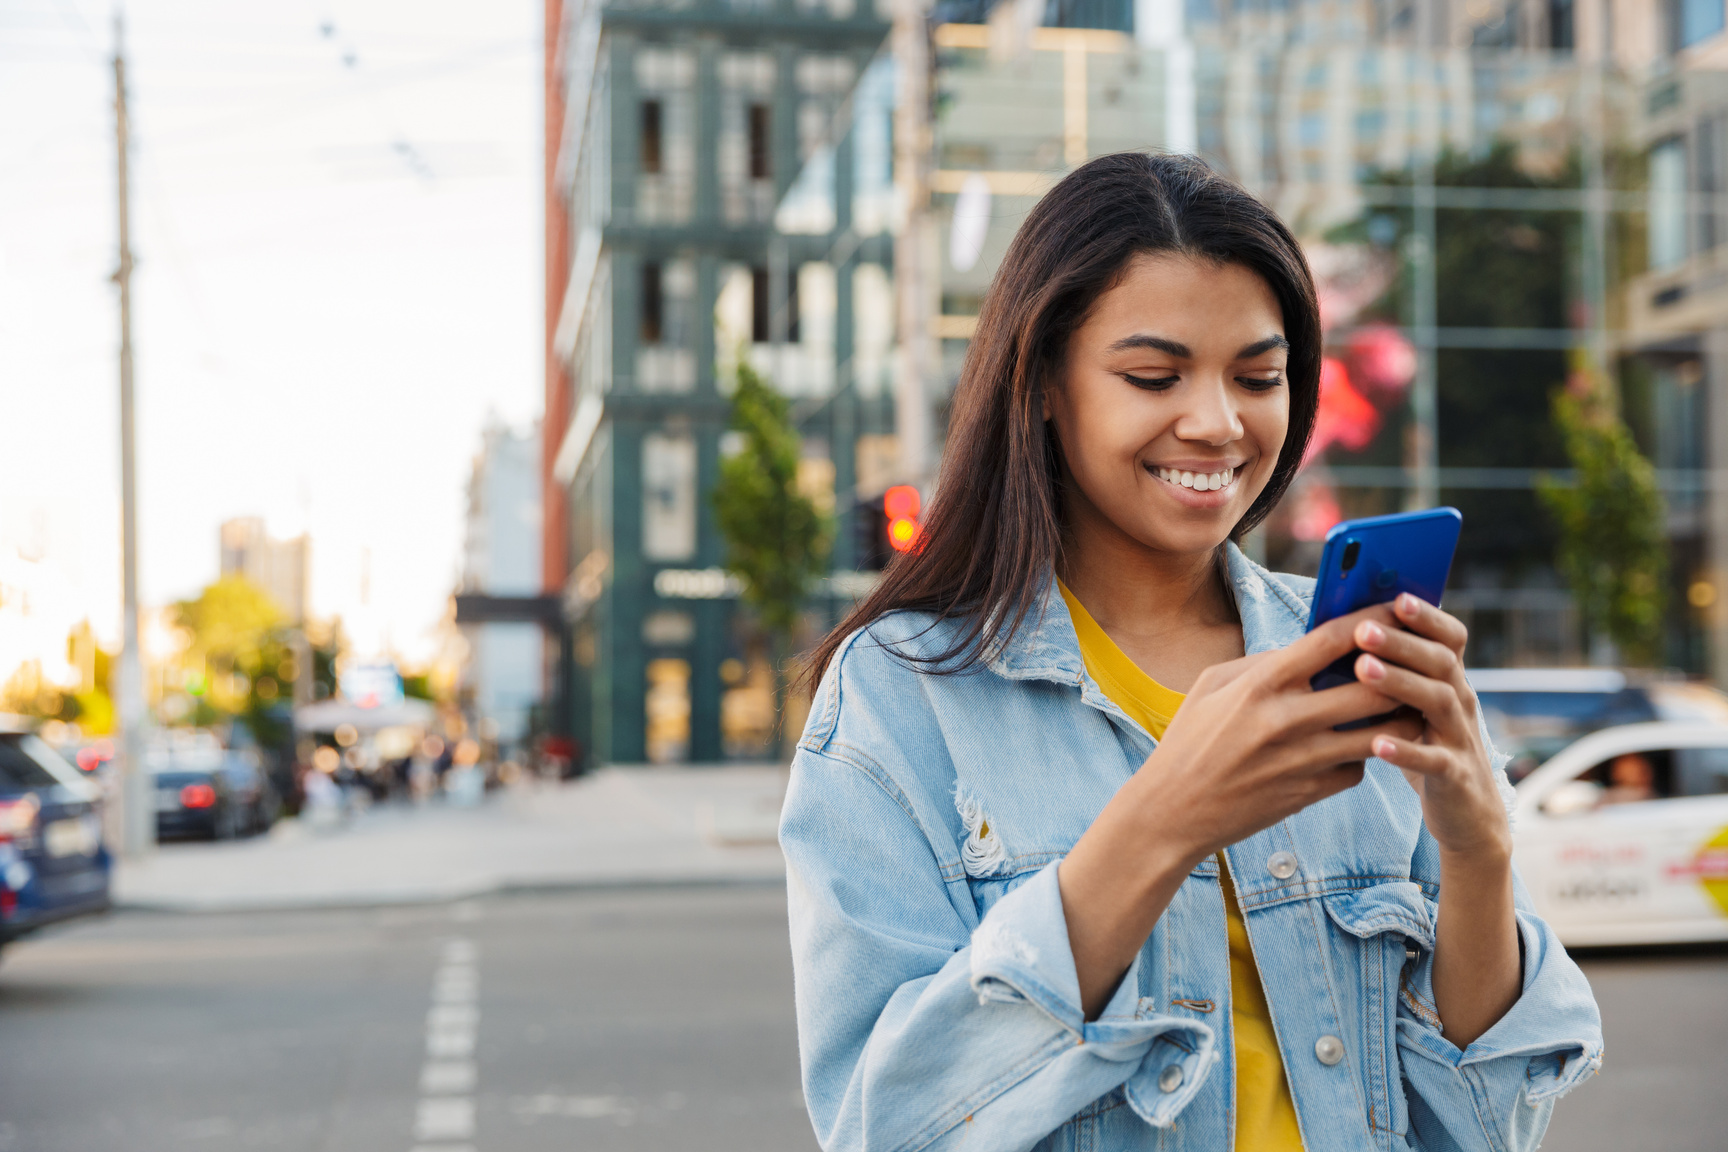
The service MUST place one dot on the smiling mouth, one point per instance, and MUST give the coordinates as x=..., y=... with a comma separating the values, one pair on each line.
x=1199, y=481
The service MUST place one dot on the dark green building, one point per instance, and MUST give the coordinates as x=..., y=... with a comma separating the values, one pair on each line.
x=719, y=187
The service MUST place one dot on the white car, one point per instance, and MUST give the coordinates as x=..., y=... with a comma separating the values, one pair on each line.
x=1622, y=837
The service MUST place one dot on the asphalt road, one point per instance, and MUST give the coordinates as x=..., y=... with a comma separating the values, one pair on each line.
x=639, y=1020
x=634, y=1020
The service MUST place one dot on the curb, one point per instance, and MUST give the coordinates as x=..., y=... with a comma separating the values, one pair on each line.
x=446, y=895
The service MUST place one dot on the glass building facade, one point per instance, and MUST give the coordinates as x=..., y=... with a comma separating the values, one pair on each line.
x=1499, y=200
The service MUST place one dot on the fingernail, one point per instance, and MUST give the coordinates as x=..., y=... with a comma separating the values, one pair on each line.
x=1370, y=633
x=1406, y=604
x=1370, y=669
x=1383, y=747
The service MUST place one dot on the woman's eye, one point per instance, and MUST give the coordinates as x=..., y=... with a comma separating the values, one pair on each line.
x=1151, y=383
x=1261, y=383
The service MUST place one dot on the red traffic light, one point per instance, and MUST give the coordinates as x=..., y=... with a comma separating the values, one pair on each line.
x=901, y=500
x=900, y=504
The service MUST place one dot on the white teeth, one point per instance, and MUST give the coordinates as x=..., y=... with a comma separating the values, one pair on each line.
x=1199, y=481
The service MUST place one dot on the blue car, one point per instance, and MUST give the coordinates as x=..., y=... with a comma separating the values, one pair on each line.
x=53, y=864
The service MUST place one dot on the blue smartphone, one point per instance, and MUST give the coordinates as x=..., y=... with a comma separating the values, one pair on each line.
x=1371, y=561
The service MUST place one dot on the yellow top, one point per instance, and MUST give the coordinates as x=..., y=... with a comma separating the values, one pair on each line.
x=1265, y=1113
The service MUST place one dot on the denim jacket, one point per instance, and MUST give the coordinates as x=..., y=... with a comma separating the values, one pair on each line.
x=937, y=1000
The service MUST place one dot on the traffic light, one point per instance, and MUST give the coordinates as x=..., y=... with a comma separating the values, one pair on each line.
x=886, y=526
x=900, y=509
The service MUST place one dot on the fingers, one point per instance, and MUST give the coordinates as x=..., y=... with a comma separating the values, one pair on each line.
x=1427, y=759
x=1425, y=619
x=1219, y=675
x=1319, y=753
x=1409, y=650
x=1318, y=711
x=1298, y=662
x=1441, y=702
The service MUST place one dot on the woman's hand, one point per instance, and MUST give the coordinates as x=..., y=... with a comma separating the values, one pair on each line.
x=1477, y=969
x=1447, y=762
x=1252, y=744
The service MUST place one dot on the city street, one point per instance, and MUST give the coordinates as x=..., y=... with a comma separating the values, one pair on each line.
x=633, y=1019
x=637, y=1019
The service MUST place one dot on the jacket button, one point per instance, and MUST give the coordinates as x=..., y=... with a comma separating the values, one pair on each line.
x=1281, y=864
x=1329, y=1050
x=1170, y=1079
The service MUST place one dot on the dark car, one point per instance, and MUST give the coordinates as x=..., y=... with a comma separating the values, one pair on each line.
x=53, y=864
x=1532, y=713
x=220, y=796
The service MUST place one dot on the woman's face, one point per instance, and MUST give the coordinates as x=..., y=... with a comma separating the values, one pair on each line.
x=1174, y=404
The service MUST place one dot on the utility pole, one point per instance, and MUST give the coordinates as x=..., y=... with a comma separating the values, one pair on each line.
x=910, y=38
x=137, y=814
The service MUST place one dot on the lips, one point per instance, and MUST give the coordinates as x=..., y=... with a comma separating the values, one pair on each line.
x=1198, y=481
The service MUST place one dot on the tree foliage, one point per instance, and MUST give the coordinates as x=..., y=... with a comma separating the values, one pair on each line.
x=1613, y=547
x=239, y=661
x=777, y=539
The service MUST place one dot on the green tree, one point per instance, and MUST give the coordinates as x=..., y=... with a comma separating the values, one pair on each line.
x=240, y=661
x=1613, y=548
x=777, y=539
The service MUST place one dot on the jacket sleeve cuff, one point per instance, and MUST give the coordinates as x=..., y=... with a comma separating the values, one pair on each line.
x=1550, y=1039
x=1020, y=953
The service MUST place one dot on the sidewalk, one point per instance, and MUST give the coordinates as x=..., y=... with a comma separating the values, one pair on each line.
x=619, y=827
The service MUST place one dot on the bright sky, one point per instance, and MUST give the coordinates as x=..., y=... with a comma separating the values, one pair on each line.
x=336, y=220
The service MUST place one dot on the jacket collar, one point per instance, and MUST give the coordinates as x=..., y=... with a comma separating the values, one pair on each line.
x=1047, y=647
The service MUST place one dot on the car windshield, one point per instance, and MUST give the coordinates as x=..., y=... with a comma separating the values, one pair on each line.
x=1530, y=726
x=171, y=778
x=27, y=762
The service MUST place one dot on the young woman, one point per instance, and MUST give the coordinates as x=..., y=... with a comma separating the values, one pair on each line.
x=1077, y=859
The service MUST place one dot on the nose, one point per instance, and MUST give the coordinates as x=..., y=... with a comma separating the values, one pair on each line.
x=1210, y=416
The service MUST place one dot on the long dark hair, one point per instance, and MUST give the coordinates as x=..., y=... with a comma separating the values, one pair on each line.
x=993, y=533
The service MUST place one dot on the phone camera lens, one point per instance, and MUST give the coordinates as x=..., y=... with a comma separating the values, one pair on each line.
x=1352, y=549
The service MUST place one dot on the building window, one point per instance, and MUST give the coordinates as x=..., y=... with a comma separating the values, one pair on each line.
x=665, y=132
x=760, y=168
x=1667, y=205
x=668, y=496
x=1707, y=153
x=760, y=309
x=651, y=163
x=665, y=352
x=653, y=304
x=744, y=150
x=667, y=708
x=763, y=329
x=1561, y=25
x=1696, y=20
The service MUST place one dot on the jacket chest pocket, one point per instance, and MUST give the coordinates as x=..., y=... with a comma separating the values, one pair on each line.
x=1383, y=928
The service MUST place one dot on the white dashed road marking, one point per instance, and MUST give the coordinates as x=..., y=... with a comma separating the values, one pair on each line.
x=446, y=1109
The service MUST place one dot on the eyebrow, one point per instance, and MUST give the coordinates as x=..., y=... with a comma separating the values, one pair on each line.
x=1249, y=351
x=1160, y=344
x=1156, y=343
